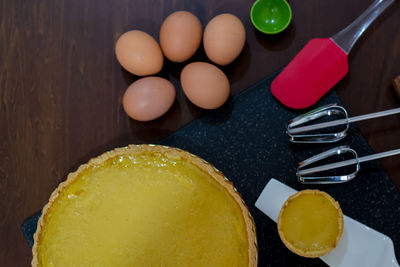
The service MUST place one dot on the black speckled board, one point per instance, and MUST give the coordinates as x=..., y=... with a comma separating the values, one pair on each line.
x=246, y=140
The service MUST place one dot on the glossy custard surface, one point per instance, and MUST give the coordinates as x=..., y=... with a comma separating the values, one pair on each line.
x=310, y=222
x=144, y=210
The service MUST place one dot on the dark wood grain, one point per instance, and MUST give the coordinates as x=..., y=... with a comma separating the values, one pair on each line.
x=61, y=86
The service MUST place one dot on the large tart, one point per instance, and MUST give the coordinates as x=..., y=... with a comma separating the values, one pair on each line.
x=145, y=206
x=310, y=223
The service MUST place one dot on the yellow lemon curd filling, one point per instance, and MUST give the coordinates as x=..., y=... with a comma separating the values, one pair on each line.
x=310, y=223
x=144, y=210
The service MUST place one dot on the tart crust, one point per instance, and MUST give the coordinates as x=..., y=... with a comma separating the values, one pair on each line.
x=311, y=253
x=170, y=152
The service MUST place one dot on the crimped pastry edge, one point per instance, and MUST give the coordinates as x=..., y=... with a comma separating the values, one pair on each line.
x=170, y=152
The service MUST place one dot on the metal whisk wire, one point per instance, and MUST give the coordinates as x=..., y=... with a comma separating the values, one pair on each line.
x=298, y=133
x=332, y=179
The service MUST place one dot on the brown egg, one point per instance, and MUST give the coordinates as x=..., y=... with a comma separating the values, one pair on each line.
x=180, y=36
x=205, y=85
x=224, y=38
x=148, y=98
x=139, y=53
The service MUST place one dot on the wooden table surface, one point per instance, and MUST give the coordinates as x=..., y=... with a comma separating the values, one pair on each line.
x=61, y=86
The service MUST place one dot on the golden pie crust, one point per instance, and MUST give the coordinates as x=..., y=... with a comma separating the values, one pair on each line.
x=336, y=225
x=134, y=150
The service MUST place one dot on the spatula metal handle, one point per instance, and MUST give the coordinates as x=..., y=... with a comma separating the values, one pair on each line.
x=346, y=38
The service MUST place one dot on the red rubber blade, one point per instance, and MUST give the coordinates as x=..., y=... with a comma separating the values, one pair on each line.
x=311, y=73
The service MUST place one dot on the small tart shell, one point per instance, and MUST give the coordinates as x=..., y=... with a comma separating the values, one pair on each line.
x=314, y=253
x=171, y=152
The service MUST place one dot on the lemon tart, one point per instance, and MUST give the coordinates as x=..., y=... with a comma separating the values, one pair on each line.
x=145, y=205
x=310, y=223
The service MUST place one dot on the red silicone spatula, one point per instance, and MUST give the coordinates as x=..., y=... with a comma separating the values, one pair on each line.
x=321, y=63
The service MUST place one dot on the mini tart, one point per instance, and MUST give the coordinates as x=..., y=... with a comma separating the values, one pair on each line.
x=145, y=205
x=310, y=223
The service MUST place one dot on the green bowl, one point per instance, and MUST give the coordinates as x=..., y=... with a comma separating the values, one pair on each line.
x=271, y=16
